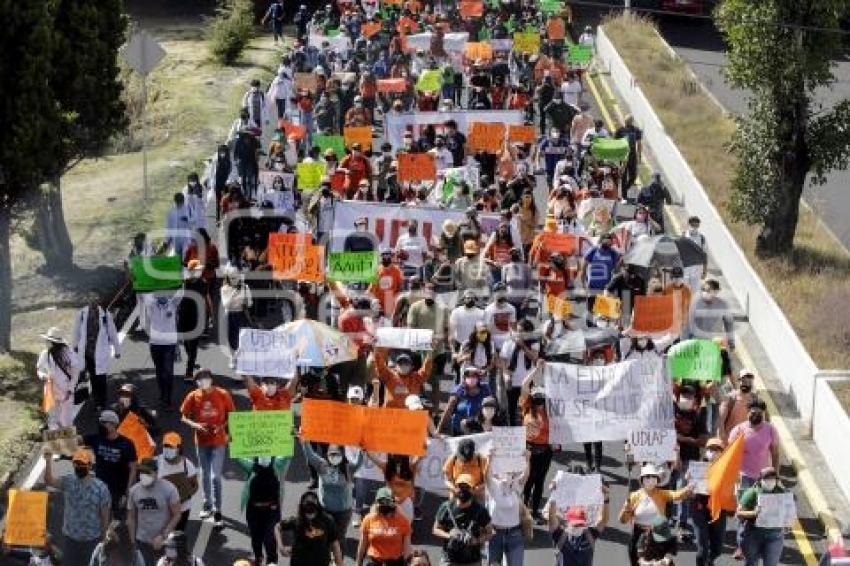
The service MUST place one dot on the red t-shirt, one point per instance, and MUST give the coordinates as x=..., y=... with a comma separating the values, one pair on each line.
x=280, y=401
x=209, y=408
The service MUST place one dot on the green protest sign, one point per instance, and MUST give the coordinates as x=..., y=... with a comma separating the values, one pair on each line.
x=352, y=267
x=155, y=273
x=260, y=433
x=325, y=142
x=695, y=359
x=429, y=81
x=580, y=54
x=551, y=6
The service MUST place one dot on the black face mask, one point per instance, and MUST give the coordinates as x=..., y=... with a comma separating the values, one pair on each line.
x=386, y=261
x=464, y=495
x=746, y=388
x=326, y=193
x=386, y=509
x=81, y=471
x=469, y=303
x=310, y=508
x=429, y=301
x=538, y=401
x=756, y=420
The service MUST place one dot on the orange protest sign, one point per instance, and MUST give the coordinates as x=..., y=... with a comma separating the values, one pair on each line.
x=558, y=307
x=478, y=50
x=521, y=134
x=26, y=519
x=298, y=131
x=361, y=134
x=655, y=313
x=295, y=258
x=370, y=28
x=133, y=428
x=486, y=136
x=331, y=422
x=395, y=431
x=392, y=85
x=609, y=307
x=555, y=29
x=547, y=243
x=471, y=8
x=416, y=167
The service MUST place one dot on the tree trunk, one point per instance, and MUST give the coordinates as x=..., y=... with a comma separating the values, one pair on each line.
x=54, y=242
x=5, y=280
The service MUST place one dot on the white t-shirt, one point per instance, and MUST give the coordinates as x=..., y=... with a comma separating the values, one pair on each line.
x=523, y=364
x=500, y=319
x=503, y=502
x=462, y=322
x=571, y=90
x=415, y=247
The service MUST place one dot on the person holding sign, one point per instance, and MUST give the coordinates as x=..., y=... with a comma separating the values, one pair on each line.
x=180, y=471
x=574, y=540
x=336, y=477
x=535, y=418
x=465, y=400
x=85, y=510
x=403, y=380
x=761, y=544
x=504, y=503
x=708, y=534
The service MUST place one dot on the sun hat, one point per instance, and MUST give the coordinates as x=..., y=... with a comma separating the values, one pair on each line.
x=54, y=335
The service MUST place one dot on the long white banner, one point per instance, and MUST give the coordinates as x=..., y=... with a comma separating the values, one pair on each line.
x=606, y=403
x=396, y=124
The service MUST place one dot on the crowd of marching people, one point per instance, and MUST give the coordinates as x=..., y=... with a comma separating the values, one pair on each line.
x=518, y=258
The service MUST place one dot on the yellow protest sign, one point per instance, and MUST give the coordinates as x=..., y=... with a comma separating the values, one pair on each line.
x=527, y=42
x=309, y=175
x=609, y=307
x=559, y=308
x=478, y=50
x=26, y=518
x=358, y=134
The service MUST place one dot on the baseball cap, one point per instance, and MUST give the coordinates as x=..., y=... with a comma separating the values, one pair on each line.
x=384, y=494
x=576, y=516
x=172, y=439
x=83, y=456
x=109, y=417
x=148, y=465
x=465, y=479
x=746, y=373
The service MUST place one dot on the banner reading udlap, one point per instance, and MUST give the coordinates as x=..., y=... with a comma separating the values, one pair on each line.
x=260, y=433
x=605, y=403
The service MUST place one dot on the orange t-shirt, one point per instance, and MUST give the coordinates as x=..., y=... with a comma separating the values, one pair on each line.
x=389, y=283
x=536, y=428
x=209, y=408
x=385, y=535
x=280, y=401
x=398, y=386
x=455, y=467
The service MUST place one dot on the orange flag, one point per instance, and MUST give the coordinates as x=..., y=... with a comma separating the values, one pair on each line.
x=722, y=476
x=48, y=401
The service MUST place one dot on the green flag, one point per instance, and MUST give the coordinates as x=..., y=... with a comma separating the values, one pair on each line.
x=695, y=359
x=580, y=54
x=336, y=143
x=155, y=273
x=353, y=267
x=429, y=81
x=260, y=433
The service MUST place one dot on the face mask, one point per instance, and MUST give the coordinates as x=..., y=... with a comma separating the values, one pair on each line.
x=170, y=452
x=756, y=419
x=707, y=296
x=81, y=471
x=710, y=455
x=686, y=404
x=746, y=388
x=488, y=412
x=146, y=479
x=598, y=362
x=606, y=245
x=124, y=401
x=538, y=401
x=386, y=261
x=311, y=515
x=404, y=369
x=471, y=381
x=326, y=193
x=386, y=509
x=464, y=494
x=768, y=484
x=171, y=553
x=269, y=390
x=650, y=482
x=641, y=217
x=482, y=336
x=677, y=282
x=602, y=323
x=469, y=303
x=501, y=300
x=642, y=342
x=575, y=532
x=335, y=459
x=205, y=383
x=310, y=510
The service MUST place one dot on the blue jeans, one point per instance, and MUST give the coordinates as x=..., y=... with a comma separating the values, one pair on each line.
x=709, y=536
x=763, y=545
x=211, y=460
x=507, y=542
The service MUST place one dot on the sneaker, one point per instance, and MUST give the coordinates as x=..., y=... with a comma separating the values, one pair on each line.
x=738, y=554
x=355, y=521
x=205, y=514
x=218, y=522
x=232, y=363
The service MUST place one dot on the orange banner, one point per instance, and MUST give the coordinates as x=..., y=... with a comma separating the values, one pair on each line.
x=370, y=28
x=555, y=29
x=653, y=314
x=392, y=85
x=362, y=134
x=394, y=431
x=486, y=136
x=133, y=428
x=293, y=257
x=471, y=8
x=478, y=50
x=416, y=167
x=26, y=519
x=609, y=307
x=521, y=134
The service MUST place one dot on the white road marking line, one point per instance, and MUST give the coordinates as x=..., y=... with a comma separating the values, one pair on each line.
x=203, y=539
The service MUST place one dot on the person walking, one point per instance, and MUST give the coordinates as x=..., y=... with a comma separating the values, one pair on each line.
x=310, y=537
x=261, y=504
x=762, y=545
x=175, y=467
x=384, y=534
x=58, y=367
x=161, y=317
x=153, y=510
x=96, y=341
x=115, y=460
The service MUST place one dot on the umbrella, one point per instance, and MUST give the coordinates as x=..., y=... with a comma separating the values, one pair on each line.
x=664, y=252
x=610, y=149
x=319, y=345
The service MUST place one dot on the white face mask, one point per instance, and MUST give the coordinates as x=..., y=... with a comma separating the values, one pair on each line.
x=642, y=342
x=335, y=459
x=768, y=485
x=205, y=383
x=602, y=323
x=171, y=553
x=710, y=455
x=650, y=482
x=170, y=453
x=147, y=479
x=269, y=390
x=124, y=401
x=597, y=362
x=707, y=295
x=686, y=404
x=264, y=461
x=488, y=412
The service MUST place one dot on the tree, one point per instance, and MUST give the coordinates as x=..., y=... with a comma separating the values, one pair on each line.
x=84, y=79
x=29, y=117
x=782, y=51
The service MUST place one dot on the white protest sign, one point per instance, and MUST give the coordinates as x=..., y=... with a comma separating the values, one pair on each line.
x=266, y=179
x=776, y=510
x=605, y=403
x=415, y=339
x=429, y=474
x=265, y=352
x=483, y=443
x=699, y=475
x=575, y=489
x=653, y=445
x=340, y=43
x=508, y=449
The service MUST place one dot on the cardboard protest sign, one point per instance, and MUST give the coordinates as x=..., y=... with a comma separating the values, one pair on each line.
x=558, y=307
x=26, y=519
x=133, y=428
x=61, y=440
x=430, y=80
x=370, y=28
x=555, y=29
x=508, y=449
x=695, y=359
x=416, y=167
x=260, y=433
x=471, y=8
x=527, y=42
x=605, y=403
x=156, y=273
x=307, y=81
x=309, y=175
x=521, y=134
x=551, y=242
x=352, y=267
x=395, y=431
x=415, y=339
x=358, y=134
x=325, y=142
x=294, y=258
x=478, y=50
x=265, y=352
x=486, y=136
x=609, y=307
x=392, y=85
x=580, y=54
x=653, y=445
x=776, y=510
x=654, y=314
x=577, y=490
x=698, y=470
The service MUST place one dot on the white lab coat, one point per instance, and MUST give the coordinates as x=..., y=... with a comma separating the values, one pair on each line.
x=280, y=89
x=107, y=346
x=63, y=385
x=261, y=120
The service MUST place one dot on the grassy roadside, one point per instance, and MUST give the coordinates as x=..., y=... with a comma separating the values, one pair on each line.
x=191, y=104
x=812, y=285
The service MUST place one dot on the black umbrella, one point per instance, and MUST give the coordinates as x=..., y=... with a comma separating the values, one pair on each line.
x=664, y=252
